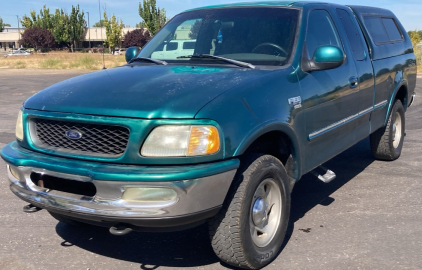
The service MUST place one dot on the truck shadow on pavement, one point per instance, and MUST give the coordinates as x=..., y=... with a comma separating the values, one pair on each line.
x=191, y=248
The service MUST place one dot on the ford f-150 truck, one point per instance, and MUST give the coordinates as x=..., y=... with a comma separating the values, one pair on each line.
x=270, y=91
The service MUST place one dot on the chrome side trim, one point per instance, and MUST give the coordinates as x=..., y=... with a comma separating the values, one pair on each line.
x=381, y=104
x=338, y=124
x=366, y=111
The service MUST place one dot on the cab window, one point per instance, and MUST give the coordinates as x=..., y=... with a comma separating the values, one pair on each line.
x=321, y=31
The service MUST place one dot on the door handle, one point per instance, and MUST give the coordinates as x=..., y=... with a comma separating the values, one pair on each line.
x=353, y=82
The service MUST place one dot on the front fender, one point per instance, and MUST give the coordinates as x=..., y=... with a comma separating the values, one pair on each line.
x=250, y=111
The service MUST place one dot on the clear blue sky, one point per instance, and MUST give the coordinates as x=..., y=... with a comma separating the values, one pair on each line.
x=409, y=12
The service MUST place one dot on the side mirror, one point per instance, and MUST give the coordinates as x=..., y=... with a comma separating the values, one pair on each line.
x=325, y=57
x=131, y=53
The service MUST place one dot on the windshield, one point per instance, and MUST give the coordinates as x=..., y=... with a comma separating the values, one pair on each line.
x=260, y=36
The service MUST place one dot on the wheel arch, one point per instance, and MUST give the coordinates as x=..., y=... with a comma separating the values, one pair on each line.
x=286, y=139
x=400, y=93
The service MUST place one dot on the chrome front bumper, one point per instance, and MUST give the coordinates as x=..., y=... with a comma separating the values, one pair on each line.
x=202, y=195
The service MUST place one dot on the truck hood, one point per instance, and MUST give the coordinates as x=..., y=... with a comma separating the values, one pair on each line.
x=142, y=91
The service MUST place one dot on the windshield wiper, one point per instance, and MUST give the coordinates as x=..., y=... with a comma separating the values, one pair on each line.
x=228, y=60
x=155, y=61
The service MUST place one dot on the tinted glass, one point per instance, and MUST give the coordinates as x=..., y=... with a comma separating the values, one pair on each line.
x=353, y=35
x=189, y=45
x=321, y=31
x=392, y=30
x=172, y=46
x=376, y=29
x=261, y=36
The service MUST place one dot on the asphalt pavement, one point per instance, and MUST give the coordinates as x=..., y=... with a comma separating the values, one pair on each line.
x=370, y=217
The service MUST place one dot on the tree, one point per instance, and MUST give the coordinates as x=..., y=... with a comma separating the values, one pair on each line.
x=60, y=24
x=193, y=34
x=140, y=25
x=415, y=37
x=137, y=37
x=99, y=24
x=76, y=26
x=154, y=17
x=113, y=32
x=42, y=20
x=3, y=25
x=66, y=28
x=37, y=38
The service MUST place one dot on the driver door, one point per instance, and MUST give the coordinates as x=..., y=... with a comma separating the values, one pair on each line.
x=330, y=99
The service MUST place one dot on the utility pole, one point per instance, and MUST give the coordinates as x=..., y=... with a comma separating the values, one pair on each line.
x=19, y=30
x=89, y=32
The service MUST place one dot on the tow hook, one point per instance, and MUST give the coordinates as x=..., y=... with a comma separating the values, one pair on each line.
x=120, y=231
x=30, y=208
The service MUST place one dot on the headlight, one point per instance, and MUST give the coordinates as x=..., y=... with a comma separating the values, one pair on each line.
x=181, y=141
x=19, y=127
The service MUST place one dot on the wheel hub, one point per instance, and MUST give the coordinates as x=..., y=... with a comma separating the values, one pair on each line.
x=259, y=211
x=397, y=130
x=265, y=212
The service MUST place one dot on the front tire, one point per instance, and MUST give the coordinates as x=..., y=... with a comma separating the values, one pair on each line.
x=250, y=229
x=387, y=142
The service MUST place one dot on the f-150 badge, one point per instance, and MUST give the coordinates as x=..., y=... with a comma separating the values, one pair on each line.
x=296, y=102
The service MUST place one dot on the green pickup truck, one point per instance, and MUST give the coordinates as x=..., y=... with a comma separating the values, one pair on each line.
x=268, y=91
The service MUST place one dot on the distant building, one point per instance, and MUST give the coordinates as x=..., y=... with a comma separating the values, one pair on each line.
x=95, y=36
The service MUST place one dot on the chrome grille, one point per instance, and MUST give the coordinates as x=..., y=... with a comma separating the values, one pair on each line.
x=96, y=140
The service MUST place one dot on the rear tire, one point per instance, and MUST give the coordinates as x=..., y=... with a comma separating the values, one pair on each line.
x=387, y=142
x=249, y=230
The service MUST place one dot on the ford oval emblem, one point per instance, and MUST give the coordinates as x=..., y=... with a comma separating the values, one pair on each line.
x=73, y=134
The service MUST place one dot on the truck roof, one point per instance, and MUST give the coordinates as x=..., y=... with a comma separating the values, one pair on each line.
x=251, y=4
x=365, y=9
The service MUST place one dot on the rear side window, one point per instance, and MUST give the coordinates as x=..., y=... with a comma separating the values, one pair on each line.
x=189, y=45
x=353, y=35
x=382, y=30
x=172, y=46
x=392, y=30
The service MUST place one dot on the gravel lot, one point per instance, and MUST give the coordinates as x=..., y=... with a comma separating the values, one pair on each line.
x=370, y=217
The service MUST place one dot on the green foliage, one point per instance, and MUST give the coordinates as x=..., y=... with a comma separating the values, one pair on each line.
x=76, y=26
x=141, y=25
x=154, y=17
x=415, y=37
x=60, y=22
x=66, y=28
x=113, y=31
x=42, y=20
x=193, y=34
x=3, y=25
x=99, y=24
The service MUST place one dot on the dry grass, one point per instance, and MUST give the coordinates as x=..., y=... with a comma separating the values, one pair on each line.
x=62, y=60
x=418, y=54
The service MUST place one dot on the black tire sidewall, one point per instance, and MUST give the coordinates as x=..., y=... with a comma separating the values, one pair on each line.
x=398, y=107
x=270, y=168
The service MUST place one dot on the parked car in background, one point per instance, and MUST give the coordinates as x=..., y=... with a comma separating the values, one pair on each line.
x=121, y=51
x=18, y=53
x=176, y=48
x=20, y=50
